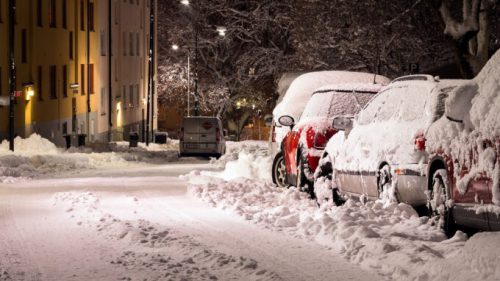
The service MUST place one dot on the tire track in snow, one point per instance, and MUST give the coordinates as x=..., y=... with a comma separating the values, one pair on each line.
x=156, y=251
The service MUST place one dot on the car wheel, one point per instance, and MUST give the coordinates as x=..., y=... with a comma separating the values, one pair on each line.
x=323, y=181
x=279, y=171
x=302, y=182
x=438, y=210
x=384, y=184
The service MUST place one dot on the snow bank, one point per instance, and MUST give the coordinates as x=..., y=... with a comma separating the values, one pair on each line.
x=387, y=237
x=247, y=159
x=34, y=144
x=36, y=156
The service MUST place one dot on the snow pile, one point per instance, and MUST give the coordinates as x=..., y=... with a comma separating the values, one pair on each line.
x=35, y=156
x=34, y=144
x=389, y=238
x=248, y=159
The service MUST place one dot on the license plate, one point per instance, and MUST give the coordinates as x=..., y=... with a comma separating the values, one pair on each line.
x=191, y=145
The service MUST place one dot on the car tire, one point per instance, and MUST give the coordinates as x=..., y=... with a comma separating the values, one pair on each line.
x=303, y=183
x=279, y=171
x=438, y=210
x=384, y=184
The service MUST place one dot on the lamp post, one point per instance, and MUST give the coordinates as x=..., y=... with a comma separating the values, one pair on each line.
x=12, y=73
x=176, y=48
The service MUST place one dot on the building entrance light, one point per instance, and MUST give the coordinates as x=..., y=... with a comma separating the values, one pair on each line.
x=29, y=90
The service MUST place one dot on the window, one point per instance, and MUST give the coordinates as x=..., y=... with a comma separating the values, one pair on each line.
x=103, y=101
x=39, y=13
x=65, y=80
x=103, y=43
x=40, y=83
x=24, y=51
x=125, y=105
x=137, y=95
x=65, y=128
x=131, y=43
x=91, y=78
x=137, y=43
x=1, y=78
x=52, y=13
x=1, y=13
x=116, y=12
x=124, y=43
x=53, y=80
x=71, y=45
x=82, y=78
x=64, y=14
x=131, y=95
x=82, y=15
x=91, y=16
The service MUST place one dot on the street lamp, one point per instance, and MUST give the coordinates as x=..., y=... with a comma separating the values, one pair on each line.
x=176, y=48
x=185, y=2
x=221, y=30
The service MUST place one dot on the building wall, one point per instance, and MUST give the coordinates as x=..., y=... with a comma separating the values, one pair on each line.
x=57, y=110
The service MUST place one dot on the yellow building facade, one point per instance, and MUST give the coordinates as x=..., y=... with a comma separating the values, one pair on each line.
x=62, y=50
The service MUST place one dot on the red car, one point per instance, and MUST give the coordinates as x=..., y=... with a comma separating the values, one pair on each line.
x=303, y=145
x=464, y=167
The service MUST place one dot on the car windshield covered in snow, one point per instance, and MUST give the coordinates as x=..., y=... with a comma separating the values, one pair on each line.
x=398, y=103
x=340, y=103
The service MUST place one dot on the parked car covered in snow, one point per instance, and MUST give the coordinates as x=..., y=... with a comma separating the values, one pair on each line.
x=464, y=164
x=304, y=144
x=383, y=153
x=298, y=93
x=201, y=136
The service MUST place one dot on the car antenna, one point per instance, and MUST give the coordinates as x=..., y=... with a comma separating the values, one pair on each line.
x=378, y=67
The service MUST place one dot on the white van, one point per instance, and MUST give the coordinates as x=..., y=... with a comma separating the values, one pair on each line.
x=201, y=136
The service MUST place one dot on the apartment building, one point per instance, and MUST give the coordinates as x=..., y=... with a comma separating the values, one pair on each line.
x=72, y=76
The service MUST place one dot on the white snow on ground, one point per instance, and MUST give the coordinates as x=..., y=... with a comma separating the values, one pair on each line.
x=248, y=159
x=35, y=157
x=389, y=238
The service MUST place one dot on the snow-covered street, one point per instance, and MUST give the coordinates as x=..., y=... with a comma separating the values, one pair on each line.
x=138, y=224
x=144, y=214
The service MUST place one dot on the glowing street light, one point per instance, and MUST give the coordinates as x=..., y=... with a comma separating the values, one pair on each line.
x=185, y=2
x=222, y=31
x=175, y=47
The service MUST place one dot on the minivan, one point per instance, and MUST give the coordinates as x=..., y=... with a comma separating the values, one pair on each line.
x=201, y=136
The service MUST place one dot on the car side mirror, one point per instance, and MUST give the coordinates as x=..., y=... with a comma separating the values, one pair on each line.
x=286, y=120
x=458, y=103
x=342, y=123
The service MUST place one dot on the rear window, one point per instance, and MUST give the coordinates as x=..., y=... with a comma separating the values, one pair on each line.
x=332, y=103
x=398, y=103
x=202, y=125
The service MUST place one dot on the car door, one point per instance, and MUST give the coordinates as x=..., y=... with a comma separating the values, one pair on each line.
x=290, y=151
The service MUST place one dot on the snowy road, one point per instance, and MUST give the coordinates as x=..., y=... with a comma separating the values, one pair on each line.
x=139, y=224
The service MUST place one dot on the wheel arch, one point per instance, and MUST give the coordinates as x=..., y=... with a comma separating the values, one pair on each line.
x=436, y=163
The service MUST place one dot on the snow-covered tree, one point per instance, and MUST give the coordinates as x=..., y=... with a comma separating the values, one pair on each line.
x=470, y=30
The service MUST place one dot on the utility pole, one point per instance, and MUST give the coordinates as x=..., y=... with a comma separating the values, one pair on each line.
x=88, y=70
x=110, y=70
x=152, y=30
x=12, y=73
x=196, y=101
x=149, y=121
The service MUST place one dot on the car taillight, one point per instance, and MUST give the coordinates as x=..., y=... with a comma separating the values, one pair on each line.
x=217, y=134
x=181, y=134
x=420, y=142
x=319, y=141
x=273, y=134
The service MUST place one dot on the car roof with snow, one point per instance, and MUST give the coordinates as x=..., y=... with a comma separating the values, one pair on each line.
x=344, y=87
x=303, y=87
